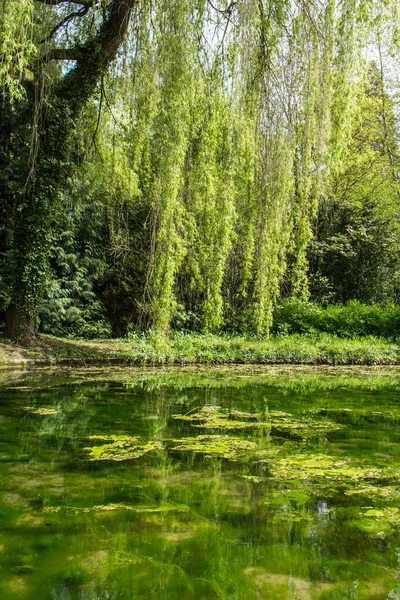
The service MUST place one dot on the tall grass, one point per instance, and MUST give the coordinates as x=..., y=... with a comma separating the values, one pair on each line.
x=310, y=349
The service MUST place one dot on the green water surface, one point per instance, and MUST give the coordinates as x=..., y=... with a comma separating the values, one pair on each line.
x=191, y=484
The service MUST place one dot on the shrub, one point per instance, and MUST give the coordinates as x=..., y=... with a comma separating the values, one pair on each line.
x=350, y=320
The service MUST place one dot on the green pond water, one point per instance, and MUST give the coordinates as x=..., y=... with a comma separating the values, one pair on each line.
x=200, y=484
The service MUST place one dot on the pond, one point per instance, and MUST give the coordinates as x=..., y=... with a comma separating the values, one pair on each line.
x=232, y=483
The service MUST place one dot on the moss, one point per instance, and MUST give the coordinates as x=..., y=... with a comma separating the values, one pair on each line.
x=120, y=447
x=15, y=500
x=371, y=527
x=358, y=415
x=294, y=496
x=378, y=521
x=29, y=520
x=276, y=586
x=252, y=478
x=18, y=585
x=96, y=562
x=305, y=427
x=292, y=515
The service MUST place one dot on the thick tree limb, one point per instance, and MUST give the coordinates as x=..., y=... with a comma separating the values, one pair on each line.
x=223, y=11
x=115, y=27
x=61, y=54
x=88, y=3
x=93, y=57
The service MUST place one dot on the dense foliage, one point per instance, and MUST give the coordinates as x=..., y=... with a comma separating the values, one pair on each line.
x=233, y=155
x=348, y=321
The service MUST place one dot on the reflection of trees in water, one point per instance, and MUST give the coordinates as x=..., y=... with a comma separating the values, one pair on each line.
x=279, y=518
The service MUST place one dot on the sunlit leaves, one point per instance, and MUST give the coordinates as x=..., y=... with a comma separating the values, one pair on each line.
x=16, y=45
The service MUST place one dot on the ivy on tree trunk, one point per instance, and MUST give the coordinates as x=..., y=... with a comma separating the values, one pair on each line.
x=39, y=176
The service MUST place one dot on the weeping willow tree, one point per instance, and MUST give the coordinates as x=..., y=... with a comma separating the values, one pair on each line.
x=218, y=131
x=237, y=185
x=209, y=197
x=175, y=41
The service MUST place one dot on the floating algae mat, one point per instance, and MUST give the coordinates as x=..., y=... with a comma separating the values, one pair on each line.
x=200, y=484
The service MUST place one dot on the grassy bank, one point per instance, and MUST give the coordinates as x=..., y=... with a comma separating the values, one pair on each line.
x=311, y=349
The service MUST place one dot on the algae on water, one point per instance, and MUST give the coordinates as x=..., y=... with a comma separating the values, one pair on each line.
x=220, y=446
x=230, y=499
x=320, y=467
x=120, y=447
x=278, y=423
x=115, y=506
x=41, y=412
x=216, y=417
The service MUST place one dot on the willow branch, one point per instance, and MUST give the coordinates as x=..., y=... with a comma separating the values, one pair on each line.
x=223, y=11
x=78, y=13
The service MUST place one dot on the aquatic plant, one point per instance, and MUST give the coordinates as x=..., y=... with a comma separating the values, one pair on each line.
x=374, y=492
x=303, y=512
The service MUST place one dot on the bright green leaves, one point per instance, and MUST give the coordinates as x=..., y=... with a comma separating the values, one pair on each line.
x=175, y=47
x=16, y=46
x=210, y=199
x=220, y=132
x=312, y=137
x=274, y=227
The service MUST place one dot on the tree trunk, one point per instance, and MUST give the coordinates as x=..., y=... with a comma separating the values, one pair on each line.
x=20, y=326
